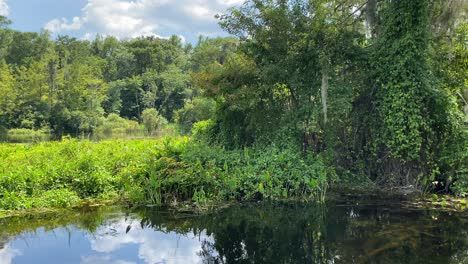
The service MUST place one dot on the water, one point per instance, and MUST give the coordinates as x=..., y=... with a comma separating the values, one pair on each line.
x=354, y=232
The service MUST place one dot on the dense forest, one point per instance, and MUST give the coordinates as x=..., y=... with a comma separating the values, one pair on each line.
x=74, y=87
x=377, y=90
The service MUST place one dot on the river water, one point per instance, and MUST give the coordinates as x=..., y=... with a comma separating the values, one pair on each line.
x=339, y=232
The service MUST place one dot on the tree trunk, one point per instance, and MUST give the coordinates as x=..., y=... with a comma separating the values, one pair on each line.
x=324, y=94
x=371, y=16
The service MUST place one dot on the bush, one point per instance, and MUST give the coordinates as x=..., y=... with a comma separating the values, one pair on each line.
x=202, y=130
x=62, y=198
x=116, y=126
x=188, y=170
x=89, y=170
x=454, y=162
x=152, y=120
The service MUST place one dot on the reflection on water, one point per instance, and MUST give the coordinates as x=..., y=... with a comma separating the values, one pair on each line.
x=281, y=233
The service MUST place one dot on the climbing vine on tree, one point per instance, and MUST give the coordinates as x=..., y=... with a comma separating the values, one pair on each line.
x=411, y=123
x=403, y=131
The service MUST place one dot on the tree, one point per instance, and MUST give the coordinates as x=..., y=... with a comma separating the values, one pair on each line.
x=6, y=37
x=410, y=128
x=208, y=51
x=198, y=109
x=304, y=51
x=27, y=47
x=9, y=95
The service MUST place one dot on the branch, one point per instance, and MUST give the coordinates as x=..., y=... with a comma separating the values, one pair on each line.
x=462, y=97
x=355, y=11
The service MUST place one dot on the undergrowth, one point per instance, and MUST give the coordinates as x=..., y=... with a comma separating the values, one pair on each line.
x=165, y=171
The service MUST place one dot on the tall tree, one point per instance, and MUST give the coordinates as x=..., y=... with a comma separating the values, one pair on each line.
x=409, y=128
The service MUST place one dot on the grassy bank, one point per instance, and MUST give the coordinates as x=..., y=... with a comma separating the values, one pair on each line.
x=165, y=171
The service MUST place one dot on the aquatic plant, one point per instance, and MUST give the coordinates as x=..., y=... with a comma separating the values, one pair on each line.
x=165, y=171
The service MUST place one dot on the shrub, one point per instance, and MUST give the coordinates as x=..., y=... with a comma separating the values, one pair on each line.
x=62, y=198
x=152, y=120
x=114, y=125
x=202, y=130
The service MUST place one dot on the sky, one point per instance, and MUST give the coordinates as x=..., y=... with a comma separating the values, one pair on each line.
x=109, y=244
x=124, y=19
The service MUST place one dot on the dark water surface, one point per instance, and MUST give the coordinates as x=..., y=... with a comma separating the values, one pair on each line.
x=262, y=233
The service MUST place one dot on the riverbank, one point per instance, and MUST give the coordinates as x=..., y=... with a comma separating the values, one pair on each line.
x=406, y=198
x=172, y=171
x=344, y=195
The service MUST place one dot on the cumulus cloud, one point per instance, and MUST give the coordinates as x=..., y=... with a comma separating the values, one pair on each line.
x=133, y=18
x=153, y=247
x=117, y=241
x=57, y=25
x=4, y=9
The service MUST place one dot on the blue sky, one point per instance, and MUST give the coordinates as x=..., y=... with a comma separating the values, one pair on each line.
x=121, y=18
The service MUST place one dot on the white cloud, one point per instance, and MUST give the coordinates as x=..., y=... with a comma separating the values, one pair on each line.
x=133, y=18
x=154, y=247
x=87, y=36
x=200, y=12
x=230, y=2
x=102, y=260
x=4, y=9
x=57, y=25
x=7, y=254
x=117, y=241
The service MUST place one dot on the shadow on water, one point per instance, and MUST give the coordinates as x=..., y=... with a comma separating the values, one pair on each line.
x=249, y=233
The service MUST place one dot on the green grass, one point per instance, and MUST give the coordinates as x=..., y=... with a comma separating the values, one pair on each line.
x=165, y=171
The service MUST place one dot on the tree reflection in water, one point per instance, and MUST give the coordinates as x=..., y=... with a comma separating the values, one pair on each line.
x=258, y=233
x=298, y=233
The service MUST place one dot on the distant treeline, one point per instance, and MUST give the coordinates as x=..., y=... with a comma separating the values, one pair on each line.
x=71, y=87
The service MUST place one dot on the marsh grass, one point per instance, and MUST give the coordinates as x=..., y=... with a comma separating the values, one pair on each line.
x=167, y=171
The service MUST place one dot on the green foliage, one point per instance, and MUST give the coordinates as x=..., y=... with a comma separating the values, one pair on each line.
x=402, y=80
x=70, y=85
x=152, y=120
x=414, y=129
x=383, y=106
x=9, y=95
x=209, y=51
x=368, y=90
x=198, y=109
x=57, y=199
x=116, y=126
x=29, y=172
x=160, y=171
x=203, y=131
x=208, y=173
x=271, y=88
x=49, y=199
